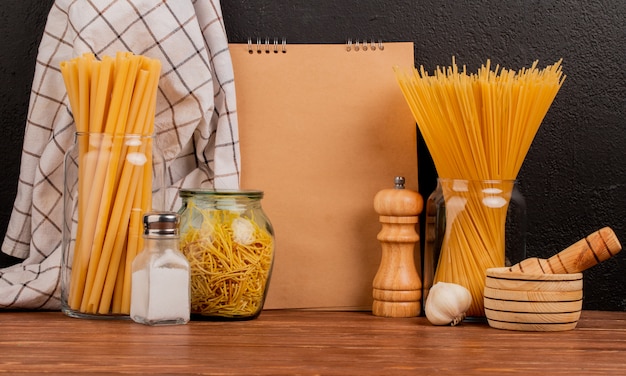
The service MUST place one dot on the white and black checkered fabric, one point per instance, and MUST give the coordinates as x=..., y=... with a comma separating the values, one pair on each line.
x=196, y=123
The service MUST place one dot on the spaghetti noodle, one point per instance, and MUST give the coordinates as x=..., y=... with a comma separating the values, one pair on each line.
x=230, y=258
x=478, y=129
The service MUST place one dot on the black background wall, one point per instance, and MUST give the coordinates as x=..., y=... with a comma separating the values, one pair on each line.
x=574, y=177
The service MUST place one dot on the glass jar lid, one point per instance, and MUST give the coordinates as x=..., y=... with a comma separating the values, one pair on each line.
x=209, y=192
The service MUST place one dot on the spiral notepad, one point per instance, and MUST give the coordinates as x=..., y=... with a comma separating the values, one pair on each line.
x=323, y=128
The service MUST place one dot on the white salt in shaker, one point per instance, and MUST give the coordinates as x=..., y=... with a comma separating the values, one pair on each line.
x=160, y=285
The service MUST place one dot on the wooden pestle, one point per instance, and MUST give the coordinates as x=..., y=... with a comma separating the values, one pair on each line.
x=582, y=255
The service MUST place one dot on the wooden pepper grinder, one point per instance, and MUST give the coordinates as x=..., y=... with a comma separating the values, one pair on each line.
x=397, y=286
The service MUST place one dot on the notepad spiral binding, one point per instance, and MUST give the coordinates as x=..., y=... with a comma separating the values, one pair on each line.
x=364, y=45
x=267, y=45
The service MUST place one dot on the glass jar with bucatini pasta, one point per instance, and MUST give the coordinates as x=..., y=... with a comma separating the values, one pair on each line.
x=229, y=243
x=110, y=181
x=113, y=174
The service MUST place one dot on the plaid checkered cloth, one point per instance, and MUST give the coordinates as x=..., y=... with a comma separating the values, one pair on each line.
x=196, y=123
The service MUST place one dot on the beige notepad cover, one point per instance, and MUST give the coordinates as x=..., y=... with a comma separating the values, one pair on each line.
x=322, y=130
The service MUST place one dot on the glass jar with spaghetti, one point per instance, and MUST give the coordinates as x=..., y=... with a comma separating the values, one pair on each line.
x=229, y=243
x=472, y=225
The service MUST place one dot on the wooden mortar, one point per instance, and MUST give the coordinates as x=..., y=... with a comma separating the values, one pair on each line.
x=545, y=294
x=532, y=301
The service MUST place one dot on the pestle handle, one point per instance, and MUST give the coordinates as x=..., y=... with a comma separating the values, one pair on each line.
x=585, y=253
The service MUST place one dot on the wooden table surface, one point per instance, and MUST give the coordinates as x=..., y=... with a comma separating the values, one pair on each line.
x=287, y=342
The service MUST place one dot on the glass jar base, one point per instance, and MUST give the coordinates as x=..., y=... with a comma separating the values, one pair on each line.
x=161, y=322
x=476, y=319
x=201, y=317
x=82, y=315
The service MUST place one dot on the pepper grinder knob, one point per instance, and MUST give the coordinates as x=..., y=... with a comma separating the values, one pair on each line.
x=399, y=182
x=397, y=288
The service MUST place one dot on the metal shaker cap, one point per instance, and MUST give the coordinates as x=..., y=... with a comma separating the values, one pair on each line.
x=161, y=223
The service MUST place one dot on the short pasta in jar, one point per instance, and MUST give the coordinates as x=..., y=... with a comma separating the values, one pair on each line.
x=229, y=243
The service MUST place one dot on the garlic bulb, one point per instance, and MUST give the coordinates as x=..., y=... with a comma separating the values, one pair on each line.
x=447, y=303
x=243, y=231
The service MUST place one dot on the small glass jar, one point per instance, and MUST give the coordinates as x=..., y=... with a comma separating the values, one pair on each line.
x=160, y=274
x=229, y=243
x=472, y=225
x=110, y=181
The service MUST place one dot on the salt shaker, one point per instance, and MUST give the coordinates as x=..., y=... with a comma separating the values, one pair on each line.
x=160, y=287
x=397, y=285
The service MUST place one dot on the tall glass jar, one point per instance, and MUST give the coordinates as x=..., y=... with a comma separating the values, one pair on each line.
x=229, y=243
x=471, y=226
x=110, y=182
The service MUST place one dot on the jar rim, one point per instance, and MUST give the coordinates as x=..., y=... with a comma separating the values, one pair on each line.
x=487, y=181
x=251, y=193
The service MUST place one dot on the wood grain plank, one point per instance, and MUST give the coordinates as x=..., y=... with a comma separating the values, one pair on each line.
x=286, y=342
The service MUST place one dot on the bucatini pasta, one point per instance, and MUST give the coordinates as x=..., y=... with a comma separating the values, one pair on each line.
x=478, y=128
x=111, y=100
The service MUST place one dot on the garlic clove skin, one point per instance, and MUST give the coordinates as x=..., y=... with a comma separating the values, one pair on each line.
x=447, y=303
